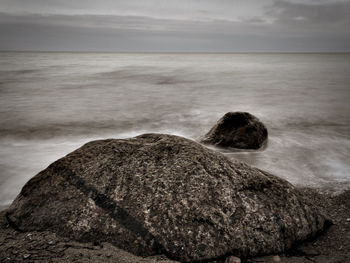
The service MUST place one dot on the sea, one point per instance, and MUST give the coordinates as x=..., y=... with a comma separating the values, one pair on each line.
x=53, y=103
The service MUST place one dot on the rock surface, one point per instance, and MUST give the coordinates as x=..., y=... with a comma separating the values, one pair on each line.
x=238, y=130
x=163, y=194
x=45, y=246
x=332, y=246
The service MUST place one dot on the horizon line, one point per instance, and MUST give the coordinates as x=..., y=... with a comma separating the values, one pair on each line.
x=175, y=52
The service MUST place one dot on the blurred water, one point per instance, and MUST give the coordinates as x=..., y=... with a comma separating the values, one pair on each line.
x=52, y=103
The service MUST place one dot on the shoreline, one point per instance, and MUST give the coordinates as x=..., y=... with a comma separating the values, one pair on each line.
x=331, y=246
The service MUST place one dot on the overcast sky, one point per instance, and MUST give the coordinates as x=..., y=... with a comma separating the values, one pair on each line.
x=175, y=25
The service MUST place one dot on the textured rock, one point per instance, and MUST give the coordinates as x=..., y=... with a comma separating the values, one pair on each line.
x=165, y=194
x=45, y=246
x=238, y=130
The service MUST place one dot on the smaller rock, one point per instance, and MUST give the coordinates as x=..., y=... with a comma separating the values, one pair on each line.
x=232, y=259
x=239, y=130
x=276, y=258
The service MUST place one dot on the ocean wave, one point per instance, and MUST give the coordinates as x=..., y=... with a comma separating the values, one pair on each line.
x=149, y=76
x=47, y=131
x=20, y=71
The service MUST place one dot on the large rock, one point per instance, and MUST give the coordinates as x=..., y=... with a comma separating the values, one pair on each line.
x=238, y=130
x=165, y=194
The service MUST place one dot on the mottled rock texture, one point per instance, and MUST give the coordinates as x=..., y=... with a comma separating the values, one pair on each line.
x=165, y=194
x=238, y=130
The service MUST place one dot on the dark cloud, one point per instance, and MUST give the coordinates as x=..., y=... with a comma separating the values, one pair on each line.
x=282, y=26
x=121, y=33
x=193, y=10
x=137, y=23
x=323, y=17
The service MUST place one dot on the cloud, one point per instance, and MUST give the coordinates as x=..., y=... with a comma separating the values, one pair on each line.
x=312, y=16
x=137, y=23
x=193, y=10
x=281, y=26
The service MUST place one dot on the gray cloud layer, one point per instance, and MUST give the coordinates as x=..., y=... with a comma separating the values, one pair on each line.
x=214, y=26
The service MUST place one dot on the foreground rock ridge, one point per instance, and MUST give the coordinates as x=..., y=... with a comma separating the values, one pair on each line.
x=238, y=130
x=158, y=193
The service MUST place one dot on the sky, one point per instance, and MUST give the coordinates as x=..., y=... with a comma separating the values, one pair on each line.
x=176, y=25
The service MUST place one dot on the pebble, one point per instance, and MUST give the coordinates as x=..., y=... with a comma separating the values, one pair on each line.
x=233, y=259
x=26, y=256
x=276, y=258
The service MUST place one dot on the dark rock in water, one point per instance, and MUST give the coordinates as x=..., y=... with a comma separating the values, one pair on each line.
x=165, y=194
x=239, y=130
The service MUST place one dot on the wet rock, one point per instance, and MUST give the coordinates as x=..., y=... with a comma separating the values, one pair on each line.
x=238, y=130
x=163, y=194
